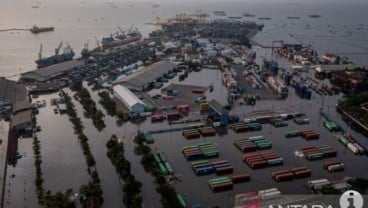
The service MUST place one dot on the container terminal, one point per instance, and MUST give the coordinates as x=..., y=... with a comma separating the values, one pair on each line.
x=245, y=128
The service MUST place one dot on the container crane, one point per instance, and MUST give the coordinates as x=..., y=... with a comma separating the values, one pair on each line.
x=201, y=16
x=58, y=48
x=158, y=22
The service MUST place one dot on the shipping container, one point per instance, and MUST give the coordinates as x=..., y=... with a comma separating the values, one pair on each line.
x=302, y=173
x=240, y=178
x=336, y=167
x=204, y=170
x=169, y=168
x=284, y=177
x=224, y=170
x=181, y=201
x=222, y=187
x=328, y=163
x=274, y=174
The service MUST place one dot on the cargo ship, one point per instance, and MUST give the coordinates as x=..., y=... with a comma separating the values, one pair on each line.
x=67, y=55
x=314, y=16
x=246, y=14
x=219, y=13
x=36, y=29
x=264, y=18
x=121, y=39
x=234, y=17
x=293, y=17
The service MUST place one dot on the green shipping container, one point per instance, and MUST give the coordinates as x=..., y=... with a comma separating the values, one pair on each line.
x=157, y=158
x=162, y=157
x=162, y=169
x=218, y=179
x=181, y=201
x=169, y=168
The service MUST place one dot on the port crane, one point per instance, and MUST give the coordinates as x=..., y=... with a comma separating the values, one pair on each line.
x=40, y=53
x=158, y=22
x=58, y=48
x=98, y=44
x=122, y=31
x=201, y=16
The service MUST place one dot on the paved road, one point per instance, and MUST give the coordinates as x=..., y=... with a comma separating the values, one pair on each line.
x=4, y=127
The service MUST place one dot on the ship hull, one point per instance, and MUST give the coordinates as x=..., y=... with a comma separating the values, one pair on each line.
x=116, y=43
x=40, y=30
x=53, y=60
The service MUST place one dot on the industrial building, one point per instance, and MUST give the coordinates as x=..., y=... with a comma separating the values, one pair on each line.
x=146, y=77
x=22, y=121
x=10, y=92
x=129, y=99
x=47, y=73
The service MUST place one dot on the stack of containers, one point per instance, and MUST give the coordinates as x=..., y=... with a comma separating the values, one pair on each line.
x=301, y=121
x=149, y=139
x=245, y=145
x=333, y=166
x=191, y=134
x=287, y=175
x=302, y=91
x=291, y=134
x=331, y=126
x=192, y=152
x=268, y=194
x=351, y=144
x=279, y=123
x=220, y=184
x=316, y=153
x=207, y=131
x=209, y=149
x=202, y=150
x=163, y=165
x=262, y=160
x=240, y=127
x=222, y=167
x=204, y=167
x=309, y=135
x=261, y=142
x=254, y=126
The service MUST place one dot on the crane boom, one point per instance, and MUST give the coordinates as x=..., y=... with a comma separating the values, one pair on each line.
x=40, y=52
x=58, y=48
x=122, y=31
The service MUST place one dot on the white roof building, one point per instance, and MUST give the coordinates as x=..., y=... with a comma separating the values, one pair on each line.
x=129, y=99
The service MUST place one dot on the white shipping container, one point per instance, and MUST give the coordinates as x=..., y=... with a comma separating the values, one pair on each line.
x=353, y=148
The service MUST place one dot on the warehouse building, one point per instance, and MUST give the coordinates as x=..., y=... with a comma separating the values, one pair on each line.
x=51, y=72
x=145, y=78
x=129, y=99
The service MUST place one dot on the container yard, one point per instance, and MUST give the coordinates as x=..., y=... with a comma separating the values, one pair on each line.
x=180, y=102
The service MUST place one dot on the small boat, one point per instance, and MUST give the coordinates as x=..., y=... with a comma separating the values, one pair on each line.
x=314, y=16
x=293, y=17
x=234, y=17
x=264, y=18
x=246, y=14
x=219, y=13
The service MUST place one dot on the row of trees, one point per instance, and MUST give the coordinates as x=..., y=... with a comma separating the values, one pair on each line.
x=93, y=189
x=88, y=105
x=132, y=187
x=107, y=103
x=168, y=193
x=351, y=104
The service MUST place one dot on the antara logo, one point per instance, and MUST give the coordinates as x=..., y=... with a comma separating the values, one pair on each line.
x=298, y=206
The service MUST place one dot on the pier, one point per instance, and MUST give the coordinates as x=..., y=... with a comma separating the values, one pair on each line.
x=14, y=29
